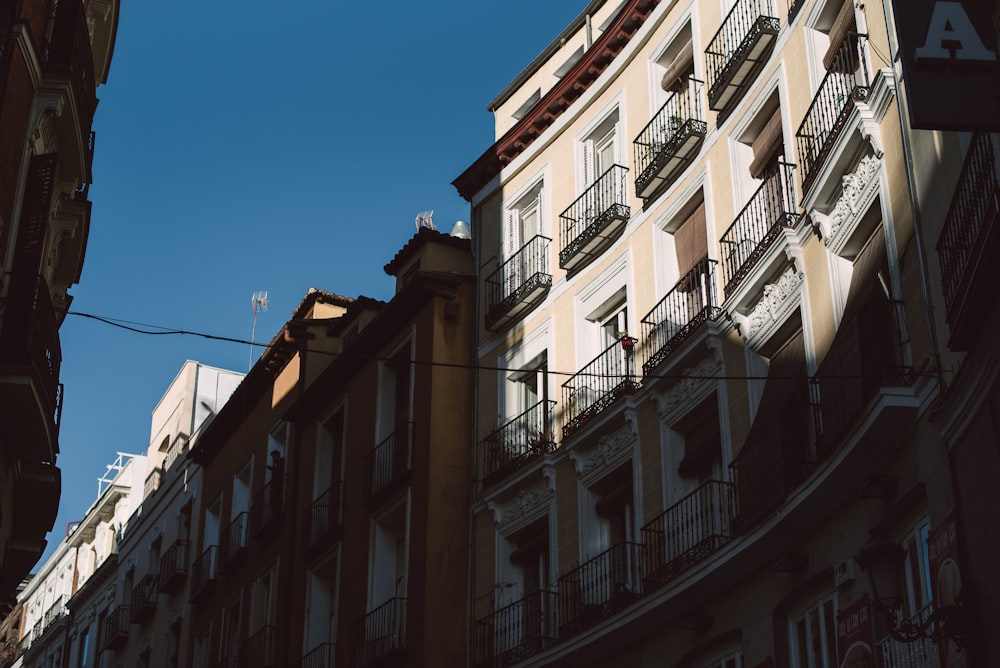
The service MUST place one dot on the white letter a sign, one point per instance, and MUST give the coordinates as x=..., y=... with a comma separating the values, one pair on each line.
x=951, y=30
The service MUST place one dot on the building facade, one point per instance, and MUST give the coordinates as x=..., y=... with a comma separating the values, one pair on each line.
x=717, y=328
x=53, y=55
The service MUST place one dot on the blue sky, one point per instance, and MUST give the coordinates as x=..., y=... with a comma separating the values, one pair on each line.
x=240, y=148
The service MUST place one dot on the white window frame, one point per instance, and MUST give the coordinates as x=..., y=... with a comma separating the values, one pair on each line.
x=817, y=607
x=606, y=128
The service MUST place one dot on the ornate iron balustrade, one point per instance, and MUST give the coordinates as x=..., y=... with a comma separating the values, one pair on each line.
x=389, y=461
x=323, y=516
x=523, y=439
x=922, y=653
x=204, y=572
x=321, y=656
x=116, y=627
x=793, y=9
x=234, y=540
x=381, y=633
x=600, y=383
x=845, y=83
x=55, y=612
x=519, y=283
x=757, y=226
x=974, y=207
x=739, y=50
x=687, y=532
x=599, y=588
x=267, y=507
x=258, y=650
x=594, y=220
x=174, y=565
x=517, y=631
x=144, y=598
x=68, y=50
x=692, y=302
x=670, y=141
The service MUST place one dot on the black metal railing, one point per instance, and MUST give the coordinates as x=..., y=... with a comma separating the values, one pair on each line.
x=794, y=6
x=267, y=506
x=234, y=540
x=204, y=571
x=258, y=650
x=692, y=301
x=321, y=656
x=389, y=461
x=587, y=225
x=381, y=633
x=599, y=588
x=144, y=597
x=174, y=565
x=976, y=202
x=687, y=532
x=770, y=209
x=523, y=439
x=68, y=50
x=922, y=653
x=116, y=627
x=519, y=280
x=670, y=140
x=517, y=631
x=599, y=384
x=737, y=48
x=845, y=83
x=323, y=515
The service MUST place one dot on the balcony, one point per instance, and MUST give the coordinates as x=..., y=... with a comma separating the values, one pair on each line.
x=922, y=653
x=969, y=244
x=599, y=384
x=204, y=573
x=691, y=303
x=144, y=598
x=845, y=83
x=68, y=54
x=670, y=141
x=234, y=541
x=758, y=226
x=687, y=533
x=517, y=631
x=595, y=220
x=153, y=482
x=739, y=50
x=322, y=518
x=517, y=443
x=268, y=506
x=116, y=627
x=387, y=465
x=321, y=656
x=381, y=634
x=519, y=284
x=174, y=566
x=599, y=588
x=258, y=650
x=30, y=354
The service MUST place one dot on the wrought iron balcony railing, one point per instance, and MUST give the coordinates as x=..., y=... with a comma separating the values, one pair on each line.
x=267, y=507
x=670, y=141
x=68, y=50
x=758, y=225
x=599, y=588
x=116, y=627
x=519, y=284
x=972, y=215
x=845, y=83
x=323, y=516
x=204, y=572
x=234, y=540
x=389, y=461
x=739, y=50
x=321, y=656
x=144, y=598
x=600, y=383
x=593, y=222
x=258, y=650
x=523, y=439
x=922, y=653
x=174, y=566
x=55, y=613
x=517, y=631
x=687, y=532
x=692, y=302
x=381, y=633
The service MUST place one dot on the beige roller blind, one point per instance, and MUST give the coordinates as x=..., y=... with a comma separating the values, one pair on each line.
x=691, y=241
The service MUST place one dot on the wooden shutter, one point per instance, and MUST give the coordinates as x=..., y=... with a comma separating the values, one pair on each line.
x=691, y=241
x=35, y=214
x=768, y=144
x=677, y=71
x=843, y=24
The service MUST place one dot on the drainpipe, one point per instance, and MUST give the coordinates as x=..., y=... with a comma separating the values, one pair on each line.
x=588, y=35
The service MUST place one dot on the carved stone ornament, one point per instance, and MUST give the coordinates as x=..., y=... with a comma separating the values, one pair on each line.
x=610, y=449
x=774, y=304
x=526, y=502
x=855, y=186
x=693, y=379
x=45, y=137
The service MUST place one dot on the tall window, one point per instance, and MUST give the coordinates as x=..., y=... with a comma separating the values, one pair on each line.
x=600, y=149
x=229, y=640
x=814, y=636
x=321, y=605
x=523, y=220
x=394, y=394
x=241, y=489
x=389, y=556
x=527, y=386
x=329, y=453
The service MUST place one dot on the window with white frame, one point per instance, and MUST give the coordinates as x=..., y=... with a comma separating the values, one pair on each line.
x=813, y=635
x=229, y=640
x=916, y=566
x=389, y=556
x=673, y=67
x=523, y=220
x=600, y=149
x=527, y=386
x=321, y=604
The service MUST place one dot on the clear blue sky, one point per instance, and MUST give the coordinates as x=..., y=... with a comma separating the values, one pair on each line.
x=243, y=146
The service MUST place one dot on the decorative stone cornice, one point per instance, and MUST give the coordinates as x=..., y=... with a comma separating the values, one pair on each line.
x=695, y=381
x=778, y=300
x=527, y=503
x=611, y=450
x=857, y=193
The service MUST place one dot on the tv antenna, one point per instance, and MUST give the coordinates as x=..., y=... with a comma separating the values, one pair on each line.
x=258, y=301
x=424, y=219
